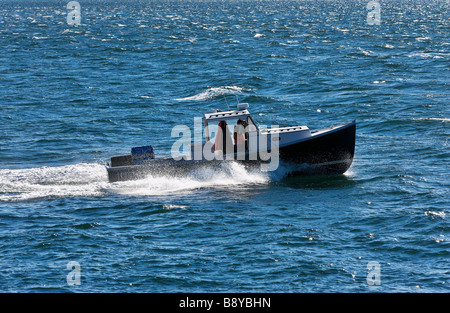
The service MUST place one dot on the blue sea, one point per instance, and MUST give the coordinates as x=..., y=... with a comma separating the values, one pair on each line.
x=74, y=92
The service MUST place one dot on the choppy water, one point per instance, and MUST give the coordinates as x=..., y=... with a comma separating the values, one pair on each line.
x=72, y=96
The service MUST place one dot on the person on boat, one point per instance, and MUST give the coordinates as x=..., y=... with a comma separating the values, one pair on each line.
x=223, y=143
x=239, y=135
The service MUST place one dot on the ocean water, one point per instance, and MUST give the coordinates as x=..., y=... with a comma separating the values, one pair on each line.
x=72, y=96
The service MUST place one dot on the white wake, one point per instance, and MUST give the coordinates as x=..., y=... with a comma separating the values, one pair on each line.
x=90, y=180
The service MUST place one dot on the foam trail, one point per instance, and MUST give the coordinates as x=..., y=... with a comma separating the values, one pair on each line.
x=90, y=180
x=47, y=182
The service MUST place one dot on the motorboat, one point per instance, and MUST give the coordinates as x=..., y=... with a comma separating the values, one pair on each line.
x=235, y=136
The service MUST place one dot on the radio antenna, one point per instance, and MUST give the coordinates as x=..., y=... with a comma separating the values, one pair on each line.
x=226, y=102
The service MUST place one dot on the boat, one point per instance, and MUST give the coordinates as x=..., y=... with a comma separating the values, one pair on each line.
x=235, y=136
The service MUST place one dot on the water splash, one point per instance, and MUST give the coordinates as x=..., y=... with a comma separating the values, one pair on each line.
x=76, y=180
x=229, y=175
x=90, y=180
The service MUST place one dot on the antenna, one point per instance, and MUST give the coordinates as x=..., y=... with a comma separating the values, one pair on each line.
x=226, y=102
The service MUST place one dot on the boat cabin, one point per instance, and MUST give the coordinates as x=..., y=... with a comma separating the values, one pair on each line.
x=229, y=129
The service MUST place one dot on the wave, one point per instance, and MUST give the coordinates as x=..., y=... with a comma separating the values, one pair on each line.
x=212, y=93
x=425, y=55
x=437, y=119
x=366, y=52
x=423, y=38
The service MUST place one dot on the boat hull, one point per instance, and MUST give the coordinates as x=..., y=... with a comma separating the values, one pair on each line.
x=326, y=152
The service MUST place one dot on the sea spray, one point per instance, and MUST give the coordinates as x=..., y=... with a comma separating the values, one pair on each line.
x=228, y=175
x=90, y=180
x=75, y=180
